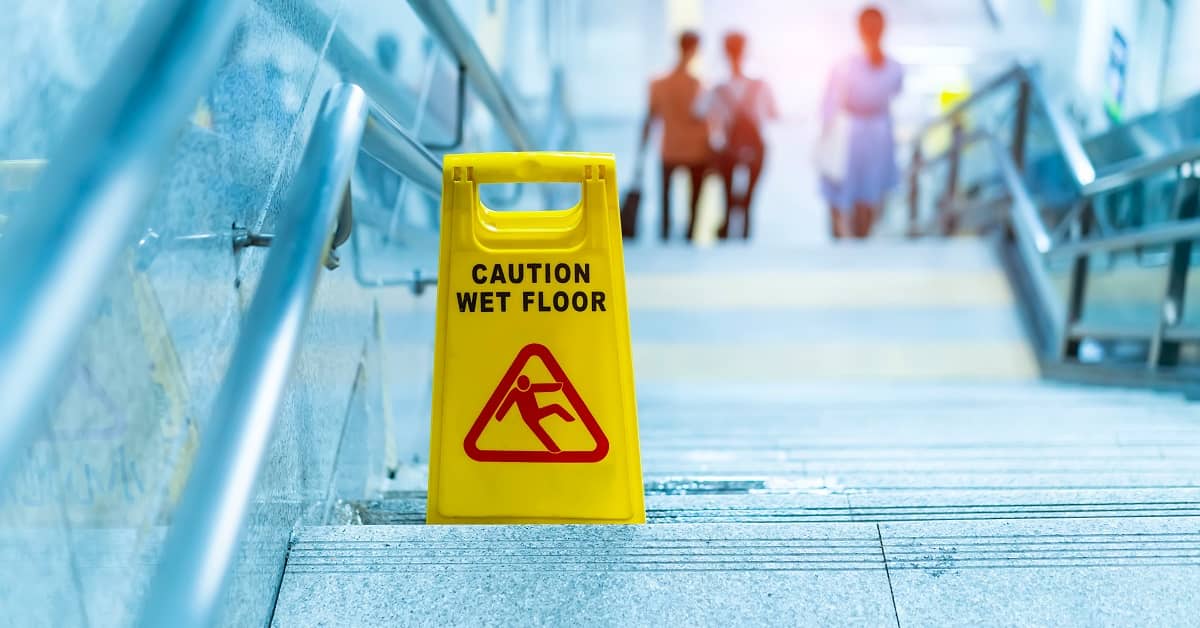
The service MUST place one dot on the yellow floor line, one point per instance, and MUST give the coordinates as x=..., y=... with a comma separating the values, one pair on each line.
x=756, y=290
x=801, y=362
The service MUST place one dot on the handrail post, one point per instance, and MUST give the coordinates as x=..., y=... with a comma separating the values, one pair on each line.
x=914, y=191
x=1021, y=124
x=1081, y=166
x=1164, y=352
x=949, y=221
x=444, y=23
x=1076, y=289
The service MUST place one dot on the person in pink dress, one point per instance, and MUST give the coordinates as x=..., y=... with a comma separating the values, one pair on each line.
x=861, y=88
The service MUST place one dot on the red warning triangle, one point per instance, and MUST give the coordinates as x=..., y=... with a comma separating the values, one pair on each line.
x=516, y=390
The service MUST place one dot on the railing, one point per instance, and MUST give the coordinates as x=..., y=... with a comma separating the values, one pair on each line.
x=486, y=84
x=308, y=22
x=442, y=21
x=58, y=255
x=1037, y=245
x=210, y=519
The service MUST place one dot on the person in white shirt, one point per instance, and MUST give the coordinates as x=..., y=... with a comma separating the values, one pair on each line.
x=737, y=109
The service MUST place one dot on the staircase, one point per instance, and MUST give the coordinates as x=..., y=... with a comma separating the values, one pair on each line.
x=199, y=426
x=851, y=436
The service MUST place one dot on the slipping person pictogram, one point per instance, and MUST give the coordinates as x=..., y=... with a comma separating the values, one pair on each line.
x=524, y=396
x=516, y=389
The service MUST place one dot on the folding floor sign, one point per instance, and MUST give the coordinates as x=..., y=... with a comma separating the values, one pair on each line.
x=534, y=417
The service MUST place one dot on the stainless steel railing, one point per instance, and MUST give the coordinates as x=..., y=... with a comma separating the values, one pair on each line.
x=202, y=543
x=1071, y=240
x=93, y=194
x=57, y=255
x=309, y=23
x=444, y=24
x=200, y=548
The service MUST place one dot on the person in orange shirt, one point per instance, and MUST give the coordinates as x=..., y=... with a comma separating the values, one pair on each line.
x=685, y=135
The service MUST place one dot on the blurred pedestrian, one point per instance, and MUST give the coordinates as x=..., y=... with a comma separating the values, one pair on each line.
x=857, y=131
x=738, y=107
x=685, y=135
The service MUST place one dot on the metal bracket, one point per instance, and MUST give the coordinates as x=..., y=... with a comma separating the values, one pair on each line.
x=341, y=232
x=419, y=283
x=460, y=114
x=243, y=237
x=150, y=244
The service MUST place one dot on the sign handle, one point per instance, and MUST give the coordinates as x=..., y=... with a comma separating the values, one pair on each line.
x=545, y=167
x=563, y=229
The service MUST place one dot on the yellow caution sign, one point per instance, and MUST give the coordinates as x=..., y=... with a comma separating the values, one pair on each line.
x=534, y=416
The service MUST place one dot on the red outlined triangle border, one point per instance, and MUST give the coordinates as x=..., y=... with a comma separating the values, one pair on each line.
x=471, y=442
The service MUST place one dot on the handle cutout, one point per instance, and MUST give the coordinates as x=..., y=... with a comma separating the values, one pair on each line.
x=570, y=183
x=503, y=197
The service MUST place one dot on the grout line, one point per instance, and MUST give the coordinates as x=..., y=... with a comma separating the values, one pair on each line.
x=888, y=572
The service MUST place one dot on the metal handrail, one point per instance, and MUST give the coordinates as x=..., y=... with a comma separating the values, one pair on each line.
x=1082, y=170
x=1084, y=173
x=956, y=111
x=312, y=25
x=1058, y=320
x=1127, y=171
x=444, y=23
x=387, y=141
x=200, y=547
x=1028, y=221
x=1153, y=235
x=1032, y=238
x=1025, y=214
x=57, y=255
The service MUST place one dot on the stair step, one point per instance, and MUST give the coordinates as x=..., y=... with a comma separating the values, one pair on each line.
x=853, y=394
x=1046, y=571
x=753, y=506
x=930, y=256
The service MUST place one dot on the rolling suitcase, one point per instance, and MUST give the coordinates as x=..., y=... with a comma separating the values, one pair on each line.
x=629, y=205
x=629, y=212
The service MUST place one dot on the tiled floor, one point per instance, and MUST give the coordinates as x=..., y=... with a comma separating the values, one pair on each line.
x=829, y=435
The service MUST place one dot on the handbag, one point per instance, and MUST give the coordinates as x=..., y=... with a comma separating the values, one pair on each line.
x=831, y=153
x=832, y=150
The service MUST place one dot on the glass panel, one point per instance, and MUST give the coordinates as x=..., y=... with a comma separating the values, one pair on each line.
x=54, y=53
x=1126, y=288
x=1152, y=135
x=1046, y=173
x=82, y=521
x=79, y=514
